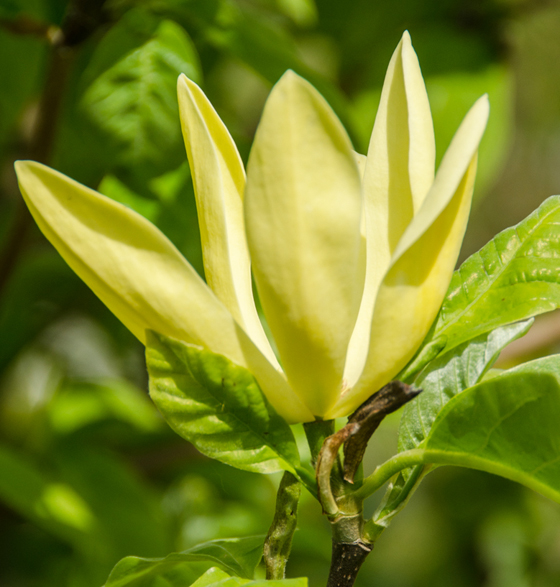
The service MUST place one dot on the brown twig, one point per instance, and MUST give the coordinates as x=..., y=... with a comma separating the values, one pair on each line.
x=355, y=436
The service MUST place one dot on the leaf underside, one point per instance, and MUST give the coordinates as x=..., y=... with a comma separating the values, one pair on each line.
x=450, y=374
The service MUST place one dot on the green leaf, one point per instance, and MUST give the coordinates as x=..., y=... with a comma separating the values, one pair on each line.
x=449, y=375
x=213, y=576
x=515, y=276
x=507, y=425
x=300, y=582
x=218, y=406
x=236, y=556
x=135, y=103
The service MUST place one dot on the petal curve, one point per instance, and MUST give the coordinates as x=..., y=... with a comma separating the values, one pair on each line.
x=142, y=278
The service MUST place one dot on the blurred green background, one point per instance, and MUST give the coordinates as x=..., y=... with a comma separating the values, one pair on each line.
x=89, y=472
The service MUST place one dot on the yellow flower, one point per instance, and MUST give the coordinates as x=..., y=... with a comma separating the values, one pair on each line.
x=351, y=255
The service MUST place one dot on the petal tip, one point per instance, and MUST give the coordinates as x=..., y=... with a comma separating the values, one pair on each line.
x=291, y=79
x=184, y=82
x=24, y=167
x=482, y=108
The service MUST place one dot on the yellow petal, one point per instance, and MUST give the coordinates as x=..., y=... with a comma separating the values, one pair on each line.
x=413, y=289
x=302, y=212
x=360, y=162
x=141, y=277
x=398, y=174
x=219, y=182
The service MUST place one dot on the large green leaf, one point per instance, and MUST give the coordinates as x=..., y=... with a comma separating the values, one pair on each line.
x=218, y=406
x=507, y=425
x=515, y=276
x=135, y=103
x=449, y=375
x=236, y=556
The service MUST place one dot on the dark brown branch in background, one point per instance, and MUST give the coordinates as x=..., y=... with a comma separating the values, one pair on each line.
x=83, y=17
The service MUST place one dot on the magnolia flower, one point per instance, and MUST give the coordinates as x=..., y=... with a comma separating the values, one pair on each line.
x=351, y=255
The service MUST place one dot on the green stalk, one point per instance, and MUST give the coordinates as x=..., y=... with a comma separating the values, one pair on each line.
x=384, y=472
x=278, y=543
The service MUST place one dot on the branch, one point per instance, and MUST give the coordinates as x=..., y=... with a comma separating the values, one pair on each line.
x=347, y=559
x=355, y=436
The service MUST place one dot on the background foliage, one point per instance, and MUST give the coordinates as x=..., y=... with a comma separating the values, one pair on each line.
x=89, y=473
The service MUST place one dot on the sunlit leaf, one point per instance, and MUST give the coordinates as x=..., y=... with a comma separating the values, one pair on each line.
x=515, y=276
x=218, y=406
x=212, y=576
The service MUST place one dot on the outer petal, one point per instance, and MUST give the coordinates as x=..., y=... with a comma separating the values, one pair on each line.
x=361, y=161
x=414, y=287
x=140, y=275
x=219, y=182
x=399, y=172
x=302, y=211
